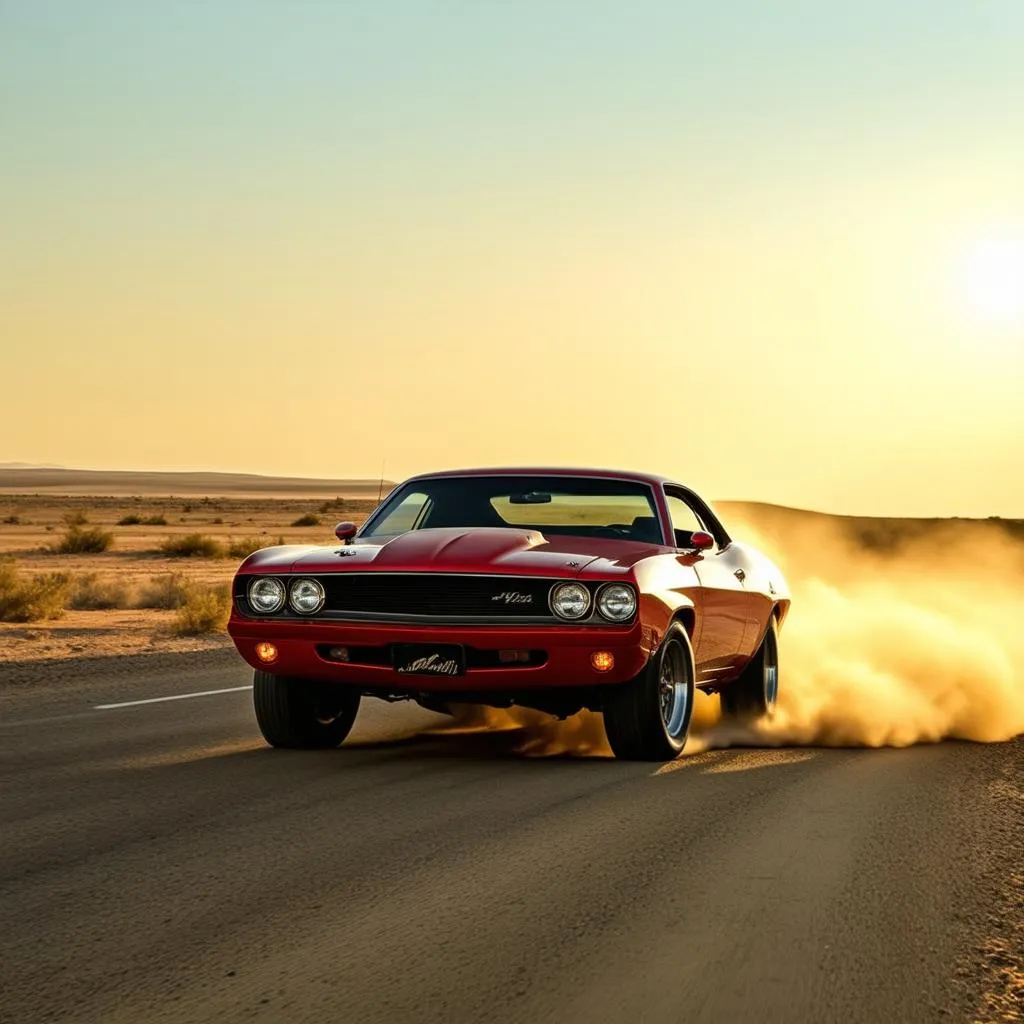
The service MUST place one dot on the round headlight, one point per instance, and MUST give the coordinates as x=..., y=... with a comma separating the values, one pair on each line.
x=616, y=602
x=266, y=595
x=570, y=600
x=306, y=596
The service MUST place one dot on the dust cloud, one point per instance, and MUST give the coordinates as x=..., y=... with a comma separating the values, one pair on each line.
x=914, y=644
x=917, y=642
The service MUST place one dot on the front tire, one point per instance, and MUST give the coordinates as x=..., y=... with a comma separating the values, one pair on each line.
x=756, y=691
x=301, y=713
x=648, y=718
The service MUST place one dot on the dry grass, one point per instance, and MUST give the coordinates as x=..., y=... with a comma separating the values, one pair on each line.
x=168, y=591
x=192, y=545
x=341, y=505
x=307, y=520
x=157, y=587
x=28, y=599
x=91, y=592
x=83, y=540
x=243, y=547
x=205, y=610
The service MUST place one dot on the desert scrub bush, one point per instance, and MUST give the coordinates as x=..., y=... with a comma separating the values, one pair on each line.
x=83, y=540
x=167, y=591
x=76, y=518
x=307, y=520
x=243, y=547
x=91, y=592
x=13, y=520
x=29, y=599
x=205, y=610
x=132, y=519
x=191, y=545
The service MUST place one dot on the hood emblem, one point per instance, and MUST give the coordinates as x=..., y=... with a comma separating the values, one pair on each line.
x=513, y=597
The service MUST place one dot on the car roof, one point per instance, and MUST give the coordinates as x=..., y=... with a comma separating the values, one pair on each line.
x=614, y=474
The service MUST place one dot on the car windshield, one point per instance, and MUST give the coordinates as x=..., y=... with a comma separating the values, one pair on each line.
x=565, y=505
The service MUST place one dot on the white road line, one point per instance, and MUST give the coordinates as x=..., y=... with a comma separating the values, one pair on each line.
x=176, y=696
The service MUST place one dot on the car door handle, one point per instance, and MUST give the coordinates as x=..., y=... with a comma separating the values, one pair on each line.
x=740, y=574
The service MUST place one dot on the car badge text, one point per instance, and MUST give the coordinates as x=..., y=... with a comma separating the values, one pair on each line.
x=513, y=597
x=433, y=663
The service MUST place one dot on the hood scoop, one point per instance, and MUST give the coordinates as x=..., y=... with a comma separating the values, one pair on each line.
x=456, y=548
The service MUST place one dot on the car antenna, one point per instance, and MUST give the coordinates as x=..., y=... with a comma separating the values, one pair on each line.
x=380, y=491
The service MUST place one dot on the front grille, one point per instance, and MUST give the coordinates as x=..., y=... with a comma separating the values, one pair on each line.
x=450, y=597
x=446, y=594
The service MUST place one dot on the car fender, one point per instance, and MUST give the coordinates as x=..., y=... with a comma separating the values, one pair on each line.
x=658, y=609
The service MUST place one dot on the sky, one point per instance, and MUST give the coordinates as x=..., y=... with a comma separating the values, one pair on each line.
x=774, y=250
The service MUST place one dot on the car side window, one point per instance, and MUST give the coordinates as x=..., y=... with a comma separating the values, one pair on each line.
x=403, y=517
x=684, y=519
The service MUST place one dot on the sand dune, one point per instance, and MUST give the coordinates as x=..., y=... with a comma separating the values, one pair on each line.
x=20, y=480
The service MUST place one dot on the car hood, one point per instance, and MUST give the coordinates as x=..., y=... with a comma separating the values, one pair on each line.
x=480, y=549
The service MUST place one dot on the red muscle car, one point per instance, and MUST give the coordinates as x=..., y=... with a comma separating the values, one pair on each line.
x=554, y=589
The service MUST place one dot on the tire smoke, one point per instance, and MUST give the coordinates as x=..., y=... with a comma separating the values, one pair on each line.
x=918, y=642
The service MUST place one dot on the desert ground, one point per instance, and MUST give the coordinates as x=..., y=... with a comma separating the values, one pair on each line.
x=31, y=524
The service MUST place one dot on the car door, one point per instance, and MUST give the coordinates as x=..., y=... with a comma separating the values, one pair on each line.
x=722, y=604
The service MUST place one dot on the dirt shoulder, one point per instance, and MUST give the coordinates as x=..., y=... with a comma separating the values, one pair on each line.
x=129, y=621
x=87, y=636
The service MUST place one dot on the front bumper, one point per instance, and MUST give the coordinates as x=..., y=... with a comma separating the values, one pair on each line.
x=567, y=653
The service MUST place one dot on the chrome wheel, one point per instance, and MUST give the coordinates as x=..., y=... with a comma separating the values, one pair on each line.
x=647, y=718
x=673, y=691
x=771, y=672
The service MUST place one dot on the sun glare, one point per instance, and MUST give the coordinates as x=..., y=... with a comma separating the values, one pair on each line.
x=995, y=280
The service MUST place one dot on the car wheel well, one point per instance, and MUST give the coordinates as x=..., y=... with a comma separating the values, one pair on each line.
x=688, y=618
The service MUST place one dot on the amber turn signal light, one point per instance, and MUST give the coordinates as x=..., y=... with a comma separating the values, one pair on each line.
x=602, y=660
x=266, y=652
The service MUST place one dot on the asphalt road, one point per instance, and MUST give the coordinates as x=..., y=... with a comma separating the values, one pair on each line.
x=158, y=863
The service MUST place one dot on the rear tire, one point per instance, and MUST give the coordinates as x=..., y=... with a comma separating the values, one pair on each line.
x=756, y=691
x=648, y=718
x=301, y=713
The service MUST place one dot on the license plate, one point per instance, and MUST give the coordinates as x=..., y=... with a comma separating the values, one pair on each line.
x=429, y=659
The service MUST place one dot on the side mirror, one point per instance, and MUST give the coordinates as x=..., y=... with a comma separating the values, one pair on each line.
x=698, y=540
x=345, y=532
